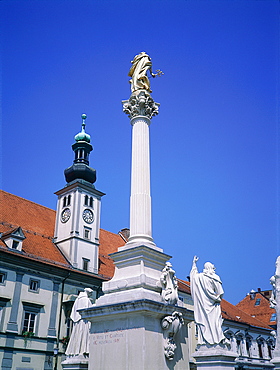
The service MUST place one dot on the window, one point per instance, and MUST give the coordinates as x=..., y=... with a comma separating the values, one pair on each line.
x=260, y=342
x=30, y=318
x=34, y=285
x=181, y=298
x=85, y=264
x=3, y=305
x=270, y=347
x=2, y=278
x=29, y=322
x=86, y=200
x=273, y=317
x=248, y=345
x=67, y=201
x=87, y=231
x=258, y=302
x=15, y=244
x=239, y=345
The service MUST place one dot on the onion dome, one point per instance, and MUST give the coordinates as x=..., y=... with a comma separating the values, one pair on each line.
x=80, y=169
x=83, y=136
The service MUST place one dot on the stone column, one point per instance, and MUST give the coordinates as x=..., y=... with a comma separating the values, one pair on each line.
x=140, y=109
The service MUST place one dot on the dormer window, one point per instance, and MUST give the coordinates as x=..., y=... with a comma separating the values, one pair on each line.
x=258, y=302
x=15, y=244
x=13, y=239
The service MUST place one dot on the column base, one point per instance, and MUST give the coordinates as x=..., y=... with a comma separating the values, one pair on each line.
x=75, y=363
x=216, y=357
x=138, y=240
x=137, y=276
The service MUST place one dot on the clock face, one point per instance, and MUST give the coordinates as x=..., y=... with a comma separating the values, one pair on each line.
x=65, y=215
x=88, y=216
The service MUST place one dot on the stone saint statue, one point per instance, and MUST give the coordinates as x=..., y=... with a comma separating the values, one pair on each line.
x=207, y=292
x=79, y=341
x=169, y=284
x=141, y=64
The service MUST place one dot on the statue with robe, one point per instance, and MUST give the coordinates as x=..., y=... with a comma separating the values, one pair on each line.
x=207, y=293
x=141, y=64
x=79, y=340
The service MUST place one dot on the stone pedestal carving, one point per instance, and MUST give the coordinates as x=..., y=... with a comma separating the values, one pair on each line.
x=76, y=363
x=215, y=357
x=171, y=325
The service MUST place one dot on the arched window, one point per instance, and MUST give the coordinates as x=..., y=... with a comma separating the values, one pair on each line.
x=86, y=200
x=260, y=342
x=91, y=202
x=239, y=343
x=270, y=346
x=248, y=345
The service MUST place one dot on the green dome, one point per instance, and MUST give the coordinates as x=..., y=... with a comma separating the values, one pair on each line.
x=83, y=136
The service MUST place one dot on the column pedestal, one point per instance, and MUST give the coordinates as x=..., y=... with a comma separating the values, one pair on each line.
x=214, y=358
x=75, y=363
x=129, y=336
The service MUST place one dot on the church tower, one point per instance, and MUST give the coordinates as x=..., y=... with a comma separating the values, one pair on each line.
x=78, y=209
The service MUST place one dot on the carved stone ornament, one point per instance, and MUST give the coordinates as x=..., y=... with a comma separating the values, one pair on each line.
x=171, y=326
x=141, y=104
x=169, y=285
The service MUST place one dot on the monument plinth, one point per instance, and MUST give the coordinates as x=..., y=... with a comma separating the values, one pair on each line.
x=129, y=322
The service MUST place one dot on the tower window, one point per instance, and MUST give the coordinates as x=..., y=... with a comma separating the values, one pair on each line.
x=86, y=200
x=85, y=264
x=87, y=232
x=91, y=202
x=69, y=200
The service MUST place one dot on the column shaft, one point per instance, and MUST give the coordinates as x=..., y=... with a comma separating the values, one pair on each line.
x=140, y=199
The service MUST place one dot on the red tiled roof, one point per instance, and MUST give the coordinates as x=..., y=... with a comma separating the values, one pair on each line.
x=184, y=286
x=229, y=311
x=261, y=312
x=37, y=223
x=109, y=243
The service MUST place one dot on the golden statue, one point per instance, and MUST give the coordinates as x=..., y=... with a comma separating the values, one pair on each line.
x=141, y=64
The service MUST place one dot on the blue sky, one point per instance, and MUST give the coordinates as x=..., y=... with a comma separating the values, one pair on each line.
x=214, y=144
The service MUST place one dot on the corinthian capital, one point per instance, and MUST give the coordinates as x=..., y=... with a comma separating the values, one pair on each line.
x=141, y=104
